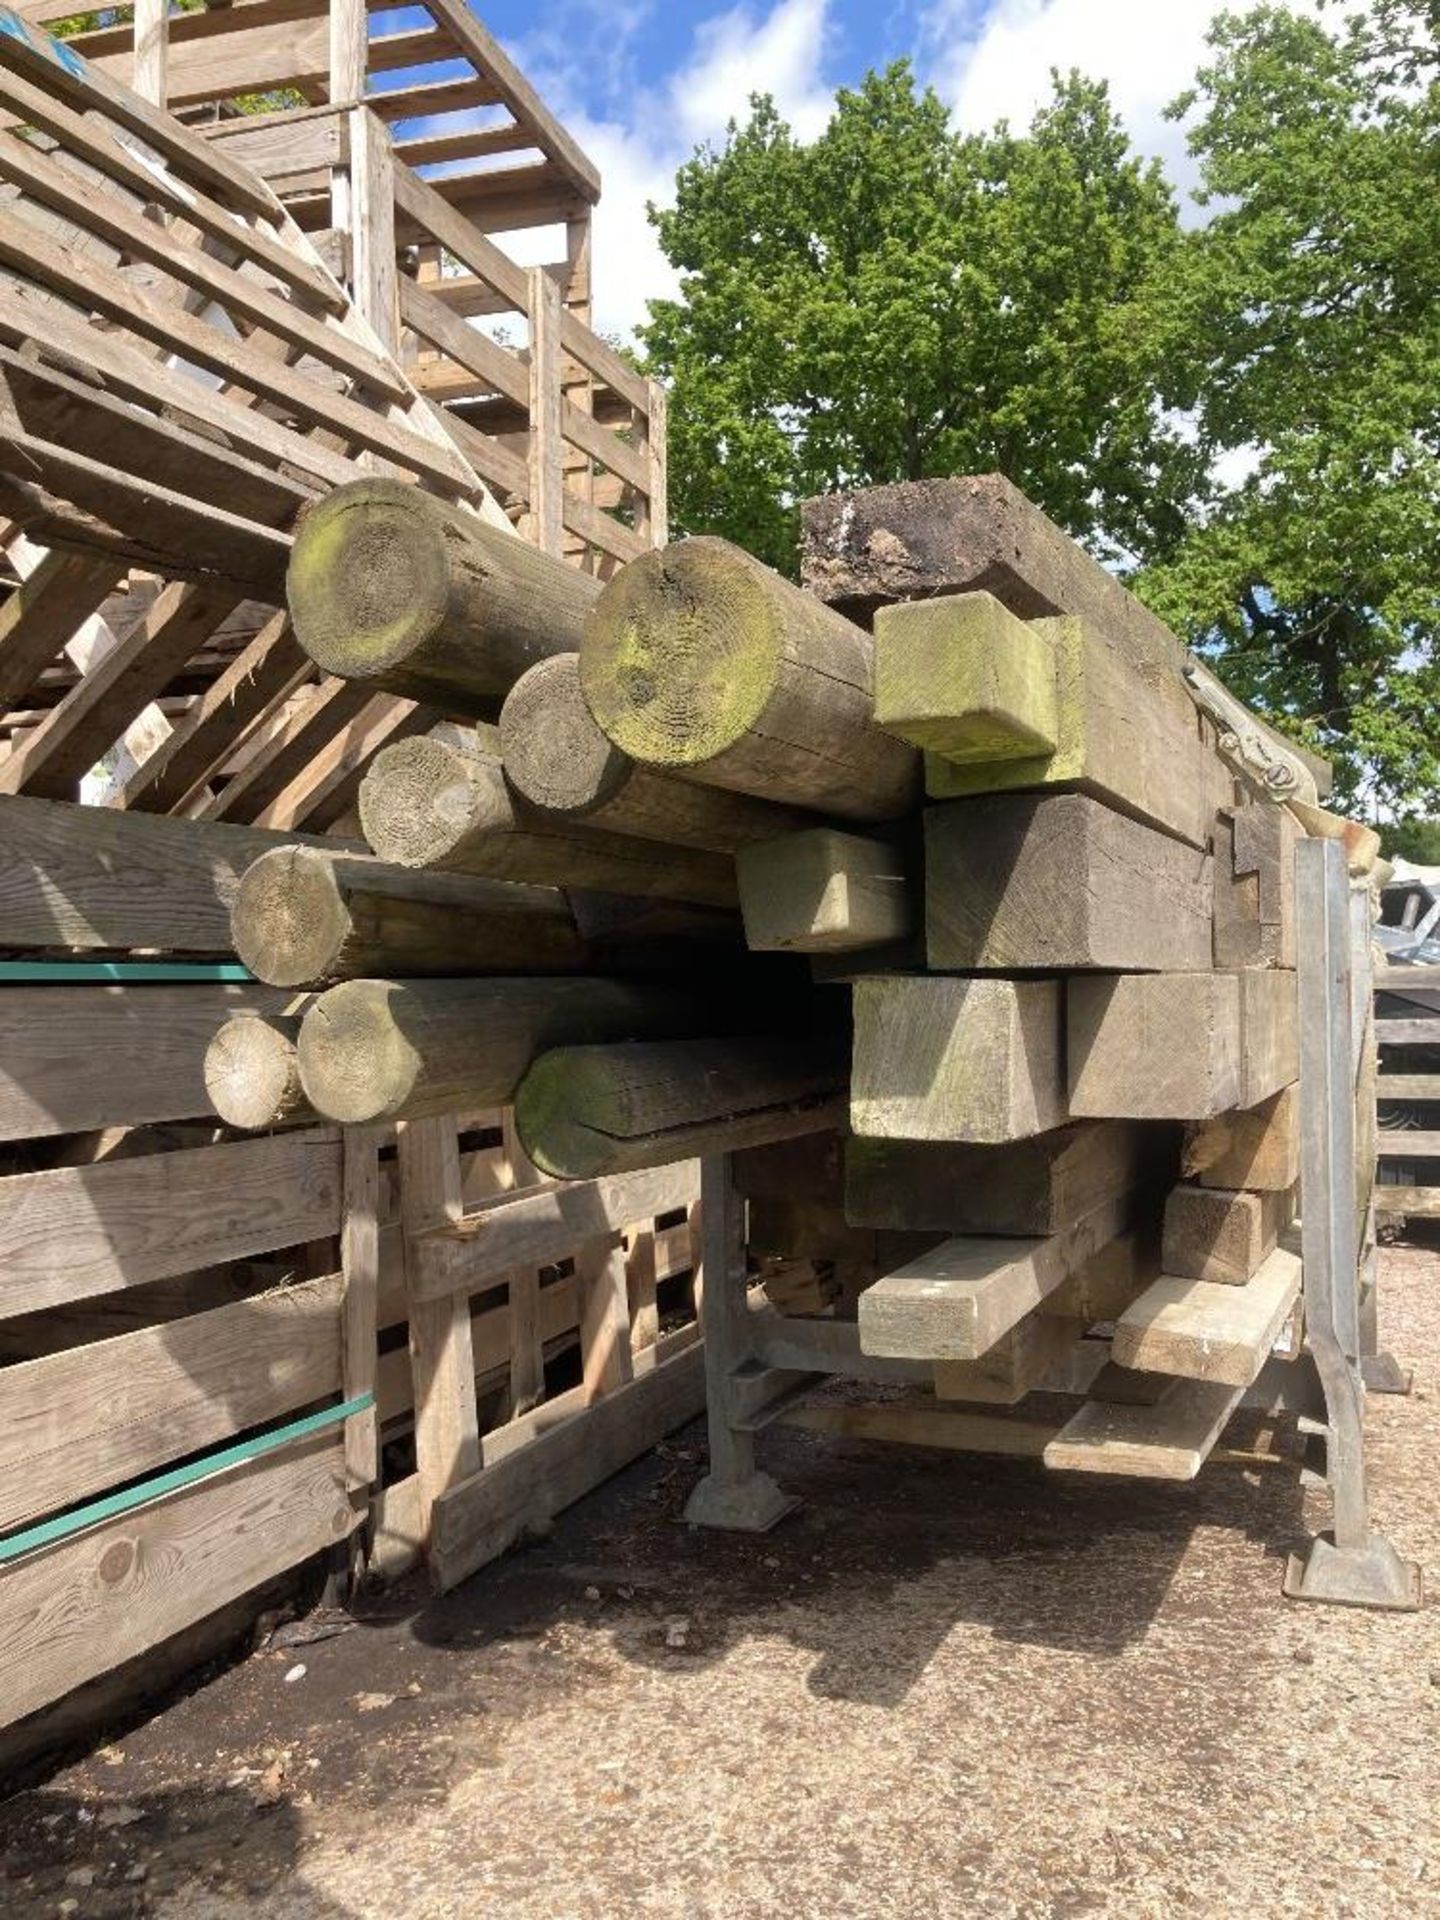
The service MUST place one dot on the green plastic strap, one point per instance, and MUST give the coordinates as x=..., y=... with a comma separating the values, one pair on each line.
x=159, y=1484
x=125, y=972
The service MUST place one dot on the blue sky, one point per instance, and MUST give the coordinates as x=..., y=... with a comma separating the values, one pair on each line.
x=640, y=82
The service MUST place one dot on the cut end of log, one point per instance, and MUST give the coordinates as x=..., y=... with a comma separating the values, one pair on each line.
x=356, y=1064
x=555, y=755
x=369, y=575
x=681, y=652
x=289, y=919
x=420, y=797
x=554, y=1117
x=252, y=1075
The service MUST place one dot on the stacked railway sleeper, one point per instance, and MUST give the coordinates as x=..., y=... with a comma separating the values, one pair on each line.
x=940, y=910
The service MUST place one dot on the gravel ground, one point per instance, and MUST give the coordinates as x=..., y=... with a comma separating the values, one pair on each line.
x=947, y=1686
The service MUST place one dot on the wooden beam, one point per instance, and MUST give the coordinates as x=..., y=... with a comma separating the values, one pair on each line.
x=965, y=679
x=42, y=613
x=824, y=891
x=1169, y=1439
x=1256, y=1147
x=1216, y=1235
x=1202, y=1330
x=1153, y=1047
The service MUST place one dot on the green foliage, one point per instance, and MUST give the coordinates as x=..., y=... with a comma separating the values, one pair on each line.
x=1416, y=840
x=897, y=300
x=1302, y=328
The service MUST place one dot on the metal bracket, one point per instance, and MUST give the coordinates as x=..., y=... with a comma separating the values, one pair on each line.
x=1372, y=1575
x=1252, y=750
x=1383, y=1373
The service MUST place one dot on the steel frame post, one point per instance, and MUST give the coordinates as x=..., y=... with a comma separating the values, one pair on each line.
x=1351, y=1565
x=734, y=1494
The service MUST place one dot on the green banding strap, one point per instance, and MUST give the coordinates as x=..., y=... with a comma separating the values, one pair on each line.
x=144, y=1492
x=125, y=972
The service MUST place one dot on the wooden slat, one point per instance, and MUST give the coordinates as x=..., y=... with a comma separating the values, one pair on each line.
x=428, y=99
x=420, y=202
x=26, y=250
x=360, y=1270
x=79, y=1058
x=43, y=612
x=98, y=1415
x=471, y=349
x=1169, y=1439
x=270, y=668
x=93, y=89
x=333, y=705
x=584, y=431
x=86, y=1606
x=1402, y=979
x=600, y=530
x=240, y=294
x=555, y=1461
x=494, y=463
x=1408, y=1086
x=1421, y=1202
x=535, y=1229
x=81, y=1231
x=103, y=881
x=1395, y=1143
x=436, y=149
x=109, y=695
x=1208, y=1330
x=1408, y=1033
x=328, y=786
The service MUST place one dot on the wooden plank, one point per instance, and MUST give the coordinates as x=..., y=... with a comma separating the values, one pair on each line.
x=498, y=368
x=1201, y=1330
x=863, y=549
x=79, y=1058
x=950, y=1059
x=1424, y=1032
x=112, y=218
x=328, y=786
x=956, y=1301
x=88, y=1605
x=99, y=880
x=359, y=1306
x=606, y=1362
x=560, y=1459
x=610, y=536
x=373, y=272
x=1168, y=1440
x=1398, y=979
x=61, y=750
x=77, y=1422
x=421, y=203
x=88, y=138
x=1060, y=880
x=442, y=1355
x=1214, y=1234
x=25, y=249
x=963, y=678
x=42, y=613
x=823, y=891
x=333, y=705
x=535, y=1229
x=1153, y=1046
x=1408, y=1086
x=78, y=1232
x=263, y=675
x=1022, y=1361
x=1400, y=1143
x=1421, y=1203
x=547, y=475
x=1255, y=885
x=925, y=1425
x=1034, y=1186
x=1256, y=1147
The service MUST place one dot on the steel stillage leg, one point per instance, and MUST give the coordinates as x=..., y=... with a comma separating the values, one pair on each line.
x=1351, y=1565
x=733, y=1494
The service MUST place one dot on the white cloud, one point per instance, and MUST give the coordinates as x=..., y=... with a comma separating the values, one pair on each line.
x=748, y=48
x=997, y=66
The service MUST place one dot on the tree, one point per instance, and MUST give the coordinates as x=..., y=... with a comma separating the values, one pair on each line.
x=897, y=300
x=1303, y=333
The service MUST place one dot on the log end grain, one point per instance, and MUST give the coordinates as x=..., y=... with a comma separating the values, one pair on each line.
x=420, y=797
x=681, y=652
x=251, y=1073
x=369, y=577
x=555, y=754
x=356, y=1063
x=289, y=920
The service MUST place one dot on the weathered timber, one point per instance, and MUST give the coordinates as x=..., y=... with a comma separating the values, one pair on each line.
x=946, y=1059
x=1034, y=1186
x=102, y=881
x=823, y=891
x=252, y=1072
x=1215, y=1234
x=43, y=612
x=1255, y=886
x=585, y=1111
x=437, y=803
x=79, y=1058
x=1165, y=1439
x=862, y=550
x=1021, y=1362
x=698, y=658
x=1153, y=1046
x=388, y=585
x=1132, y=741
x=1100, y=1290
x=306, y=918
x=1041, y=881
x=1269, y=1033
x=957, y=1300
x=389, y=1050
x=558, y=759
x=1201, y=1330
x=965, y=679
x=1255, y=1147
x=923, y=1424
